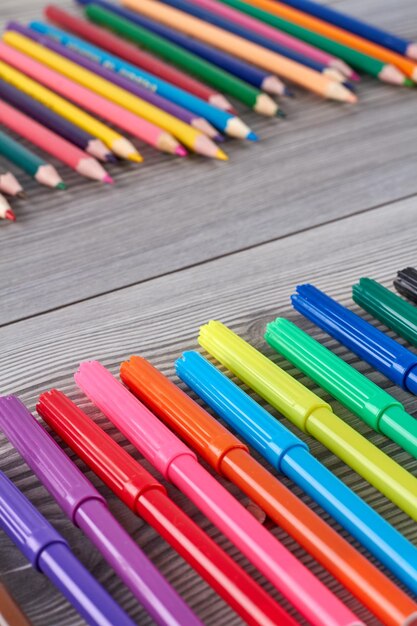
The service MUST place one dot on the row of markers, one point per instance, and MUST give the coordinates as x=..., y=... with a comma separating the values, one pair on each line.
x=161, y=72
x=148, y=408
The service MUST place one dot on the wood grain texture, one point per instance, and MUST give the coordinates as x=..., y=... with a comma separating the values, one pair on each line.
x=306, y=171
x=105, y=273
x=159, y=319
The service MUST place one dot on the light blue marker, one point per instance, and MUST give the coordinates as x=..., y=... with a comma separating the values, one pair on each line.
x=290, y=455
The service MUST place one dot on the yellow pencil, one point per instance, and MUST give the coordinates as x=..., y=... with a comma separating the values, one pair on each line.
x=118, y=144
x=189, y=136
x=240, y=47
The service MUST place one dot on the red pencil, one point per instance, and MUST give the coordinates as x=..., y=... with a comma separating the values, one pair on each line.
x=52, y=143
x=127, y=51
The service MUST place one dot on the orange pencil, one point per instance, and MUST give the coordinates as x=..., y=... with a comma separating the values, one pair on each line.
x=240, y=47
x=231, y=458
x=338, y=34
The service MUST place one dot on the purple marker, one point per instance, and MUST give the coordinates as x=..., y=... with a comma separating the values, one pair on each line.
x=87, y=509
x=50, y=554
x=117, y=79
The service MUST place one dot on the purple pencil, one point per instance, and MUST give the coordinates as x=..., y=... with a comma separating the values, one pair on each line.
x=166, y=105
x=87, y=509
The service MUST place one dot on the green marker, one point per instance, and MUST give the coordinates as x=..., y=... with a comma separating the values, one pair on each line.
x=360, y=61
x=176, y=55
x=360, y=395
x=30, y=162
x=387, y=307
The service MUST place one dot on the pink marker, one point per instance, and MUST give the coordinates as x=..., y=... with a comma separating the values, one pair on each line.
x=278, y=36
x=178, y=464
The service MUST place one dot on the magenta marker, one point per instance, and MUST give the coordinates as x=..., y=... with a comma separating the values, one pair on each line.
x=87, y=509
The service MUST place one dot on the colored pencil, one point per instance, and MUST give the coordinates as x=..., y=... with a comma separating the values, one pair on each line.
x=58, y=124
x=51, y=36
x=323, y=60
x=230, y=457
x=221, y=120
x=101, y=63
x=52, y=143
x=110, y=94
x=108, y=41
x=29, y=162
x=154, y=65
x=179, y=464
x=276, y=63
x=148, y=499
x=9, y=72
x=6, y=212
x=10, y=613
x=84, y=97
x=360, y=61
x=144, y=33
x=356, y=26
x=404, y=64
x=10, y=185
x=152, y=133
x=219, y=15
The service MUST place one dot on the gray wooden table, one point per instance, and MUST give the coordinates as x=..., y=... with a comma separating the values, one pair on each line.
x=97, y=273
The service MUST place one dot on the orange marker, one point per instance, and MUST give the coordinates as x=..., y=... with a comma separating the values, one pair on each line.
x=229, y=457
x=408, y=66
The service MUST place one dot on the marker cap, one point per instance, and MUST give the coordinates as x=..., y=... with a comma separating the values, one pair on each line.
x=127, y=478
x=207, y=436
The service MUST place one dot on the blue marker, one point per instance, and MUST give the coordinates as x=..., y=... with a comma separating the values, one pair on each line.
x=291, y=456
x=384, y=354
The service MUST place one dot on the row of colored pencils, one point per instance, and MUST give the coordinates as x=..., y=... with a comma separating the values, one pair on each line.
x=163, y=72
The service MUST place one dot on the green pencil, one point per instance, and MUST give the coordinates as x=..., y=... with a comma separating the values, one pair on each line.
x=29, y=162
x=191, y=63
x=360, y=61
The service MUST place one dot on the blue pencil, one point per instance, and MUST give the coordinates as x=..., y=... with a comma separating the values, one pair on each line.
x=249, y=73
x=356, y=26
x=241, y=31
x=223, y=121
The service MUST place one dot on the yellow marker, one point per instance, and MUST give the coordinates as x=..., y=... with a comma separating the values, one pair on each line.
x=189, y=136
x=311, y=414
x=114, y=141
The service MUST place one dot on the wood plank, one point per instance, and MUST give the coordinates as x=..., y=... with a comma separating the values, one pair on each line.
x=159, y=319
x=325, y=162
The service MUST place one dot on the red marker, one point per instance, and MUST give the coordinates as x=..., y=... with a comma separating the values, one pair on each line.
x=146, y=497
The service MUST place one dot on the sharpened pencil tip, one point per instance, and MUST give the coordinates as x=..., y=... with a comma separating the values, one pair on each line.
x=181, y=151
x=222, y=156
x=288, y=93
x=22, y=195
x=108, y=179
x=281, y=113
x=252, y=136
x=135, y=157
x=62, y=186
x=111, y=158
x=9, y=215
x=219, y=138
x=409, y=83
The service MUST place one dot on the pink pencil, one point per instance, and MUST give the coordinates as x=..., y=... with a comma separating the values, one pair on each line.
x=52, y=143
x=278, y=36
x=179, y=464
x=87, y=99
